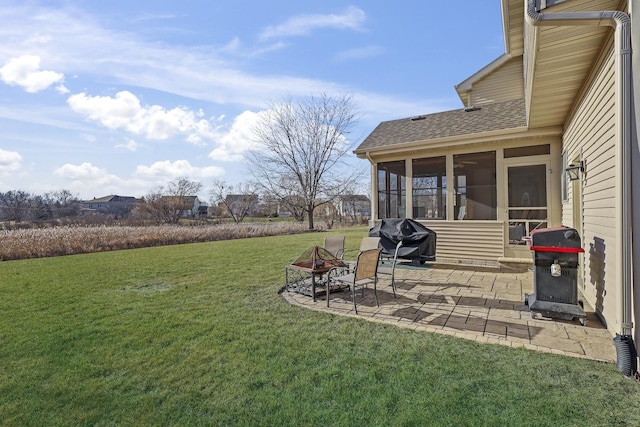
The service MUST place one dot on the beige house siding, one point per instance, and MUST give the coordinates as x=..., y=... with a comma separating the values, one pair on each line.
x=470, y=240
x=503, y=84
x=590, y=136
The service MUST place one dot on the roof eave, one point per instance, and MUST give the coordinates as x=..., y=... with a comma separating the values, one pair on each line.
x=454, y=141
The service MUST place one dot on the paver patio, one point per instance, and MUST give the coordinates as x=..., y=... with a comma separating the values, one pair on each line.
x=482, y=304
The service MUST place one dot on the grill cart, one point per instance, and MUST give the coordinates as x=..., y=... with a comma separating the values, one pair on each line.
x=555, y=279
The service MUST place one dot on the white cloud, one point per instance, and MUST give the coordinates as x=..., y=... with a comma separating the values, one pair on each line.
x=359, y=53
x=233, y=46
x=61, y=89
x=130, y=145
x=236, y=47
x=39, y=39
x=154, y=122
x=89, y=138
x=25, y=71
x=351, y=19
x=153, y=17
x=125, y=59
x=92, y=181
x=10, y=161
x=232, y=145
x=83, y=172
x=177, y=169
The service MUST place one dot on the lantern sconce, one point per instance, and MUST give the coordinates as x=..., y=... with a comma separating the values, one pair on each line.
x=574, y=170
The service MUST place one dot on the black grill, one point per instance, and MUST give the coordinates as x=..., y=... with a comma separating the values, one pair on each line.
x=555, y=280
x=418, y=242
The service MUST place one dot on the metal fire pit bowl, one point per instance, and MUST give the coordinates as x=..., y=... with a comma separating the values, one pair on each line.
x=309, y=270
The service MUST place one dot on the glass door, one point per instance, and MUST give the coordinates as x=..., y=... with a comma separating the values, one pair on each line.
x=527, y=199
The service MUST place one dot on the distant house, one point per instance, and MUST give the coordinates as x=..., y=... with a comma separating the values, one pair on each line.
x=351, y=208
x=203, y=211
x=237, y=203
x=187, y=205
x=354, y=205
x=112, y=204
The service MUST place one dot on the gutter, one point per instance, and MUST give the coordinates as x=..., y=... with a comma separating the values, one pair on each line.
x=622, y=24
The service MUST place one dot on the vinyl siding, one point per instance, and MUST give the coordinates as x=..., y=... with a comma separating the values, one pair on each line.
x=503, y=84
x=471, y=240
x=590, y=135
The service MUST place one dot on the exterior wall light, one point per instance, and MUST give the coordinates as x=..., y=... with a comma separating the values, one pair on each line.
x=574, y=170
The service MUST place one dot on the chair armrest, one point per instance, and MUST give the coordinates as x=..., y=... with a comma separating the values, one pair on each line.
x=348, y=251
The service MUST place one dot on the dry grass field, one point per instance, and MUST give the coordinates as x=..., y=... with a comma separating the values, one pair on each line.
x=71, y=240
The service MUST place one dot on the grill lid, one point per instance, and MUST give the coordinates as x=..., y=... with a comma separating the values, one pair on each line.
x=550, y=239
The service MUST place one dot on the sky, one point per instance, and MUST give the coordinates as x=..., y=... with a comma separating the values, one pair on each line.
x=121, y=97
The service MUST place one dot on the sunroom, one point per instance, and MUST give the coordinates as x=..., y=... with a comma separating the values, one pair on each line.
x=476, y=176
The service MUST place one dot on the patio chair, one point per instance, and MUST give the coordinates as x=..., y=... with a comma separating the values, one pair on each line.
x=388, y=266
x=365, y=244
x=335, y=245
x=366, y=272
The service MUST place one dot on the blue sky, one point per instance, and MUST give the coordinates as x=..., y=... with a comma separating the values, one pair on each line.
x=120, y=97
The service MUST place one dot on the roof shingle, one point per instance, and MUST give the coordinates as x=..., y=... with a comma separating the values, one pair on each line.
x=490, y=117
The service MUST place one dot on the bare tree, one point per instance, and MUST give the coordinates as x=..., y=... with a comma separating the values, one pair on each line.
x=181, y=193
x=152, y=207
x=328, y=213
x=63, y=204
x=289, y=198
x=167, y=205
x=238, y=200
x=302, y=149
x=15, y=206
x=19, y=206
x=269, y=205
x=354, y=203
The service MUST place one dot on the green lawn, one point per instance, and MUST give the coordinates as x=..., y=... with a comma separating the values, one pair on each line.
x=198, y=335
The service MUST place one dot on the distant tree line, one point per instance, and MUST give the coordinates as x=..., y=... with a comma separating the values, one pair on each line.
x=21, y=206
x=169, y=205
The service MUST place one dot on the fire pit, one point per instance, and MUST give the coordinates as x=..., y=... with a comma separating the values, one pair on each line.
x=309, y=268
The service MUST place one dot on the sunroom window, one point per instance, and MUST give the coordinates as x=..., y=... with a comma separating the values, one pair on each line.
x=429, y=184
x=392, y=190
x=475, y=186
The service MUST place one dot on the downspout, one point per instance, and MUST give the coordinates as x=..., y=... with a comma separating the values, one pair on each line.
x=374, y=186
x=621, y=23
x=634, y=13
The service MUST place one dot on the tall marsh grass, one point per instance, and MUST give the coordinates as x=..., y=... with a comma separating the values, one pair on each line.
x=70, y=240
